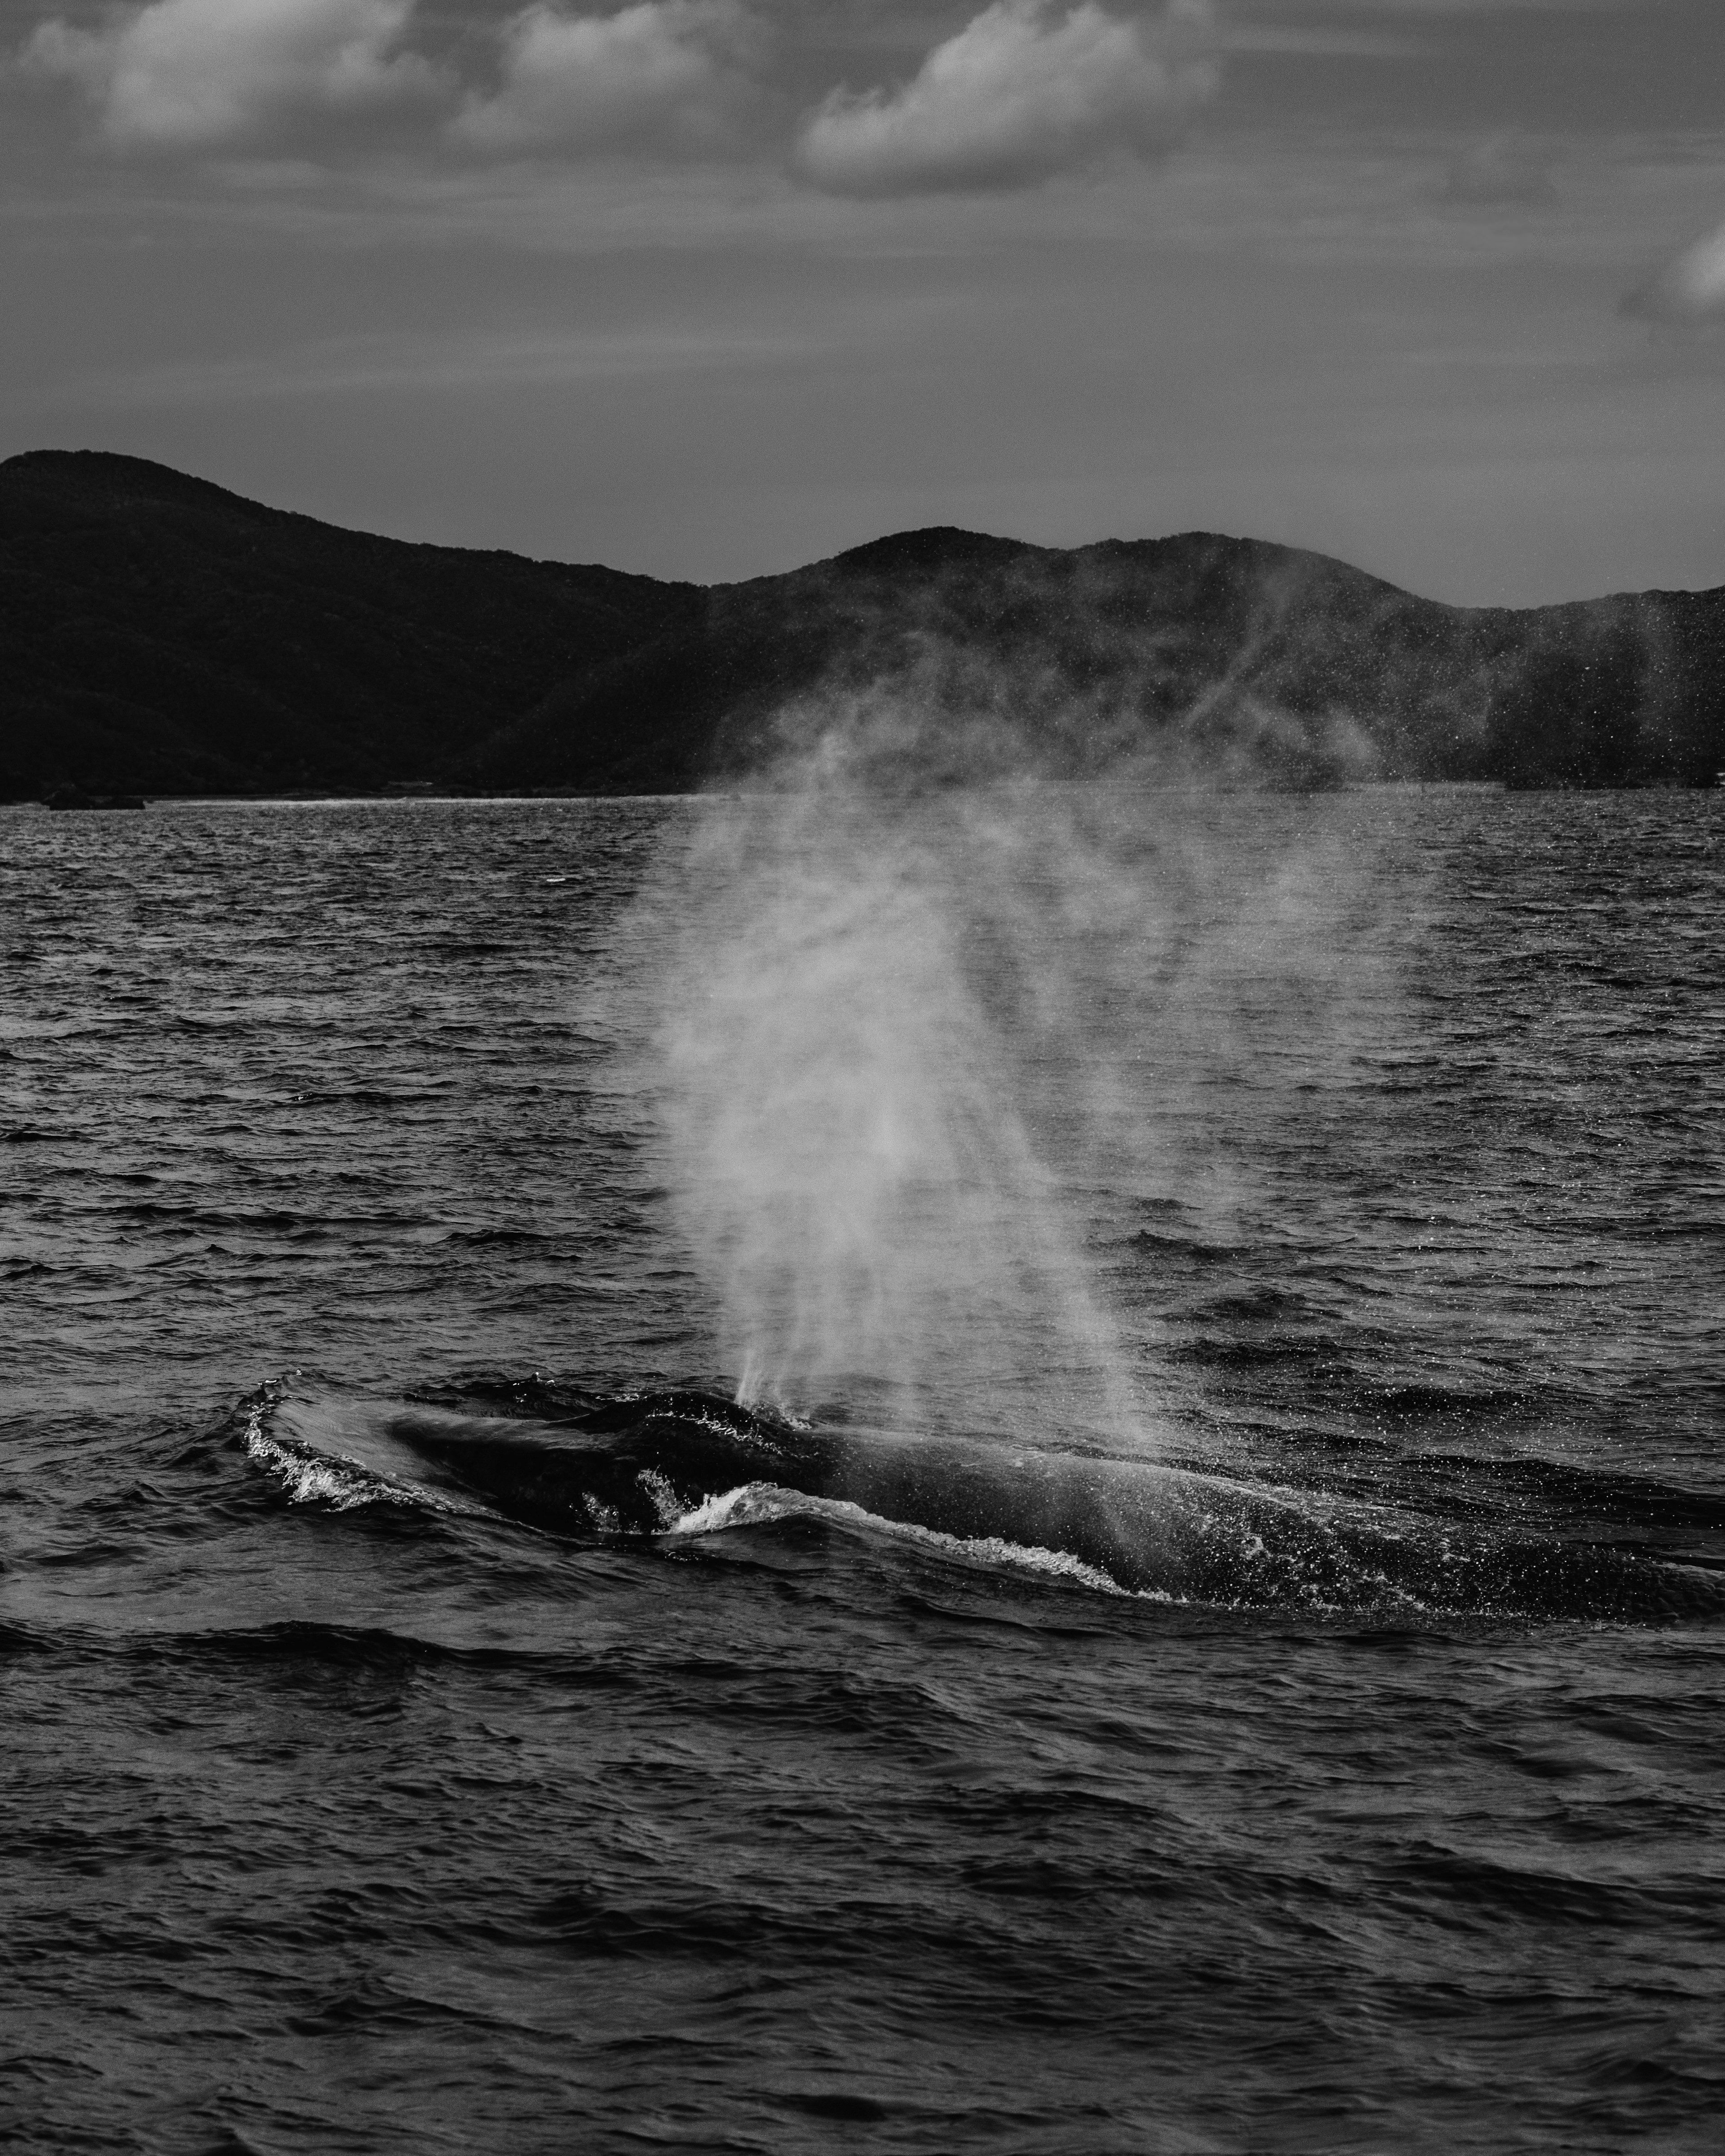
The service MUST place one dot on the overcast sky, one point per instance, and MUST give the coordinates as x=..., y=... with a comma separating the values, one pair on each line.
x=710, y=288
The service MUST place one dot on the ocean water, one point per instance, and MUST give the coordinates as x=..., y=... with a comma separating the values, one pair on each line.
x=1259, y=1688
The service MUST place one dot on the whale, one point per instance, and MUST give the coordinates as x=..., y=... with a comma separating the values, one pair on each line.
x=658, y=1462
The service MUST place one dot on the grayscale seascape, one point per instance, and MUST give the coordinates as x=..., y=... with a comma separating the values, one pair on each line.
x=1187, y=1614
x=862, y=1077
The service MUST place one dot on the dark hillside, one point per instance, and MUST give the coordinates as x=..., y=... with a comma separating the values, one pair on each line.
x=160, y=635
x=1233, y=656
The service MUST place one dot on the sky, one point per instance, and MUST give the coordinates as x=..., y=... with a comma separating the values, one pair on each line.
x=712, y=288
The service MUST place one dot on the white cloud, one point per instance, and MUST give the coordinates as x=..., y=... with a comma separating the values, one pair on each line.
x=1024, y=90
x=1691, y=287
x=184, y=73
x=666, y=75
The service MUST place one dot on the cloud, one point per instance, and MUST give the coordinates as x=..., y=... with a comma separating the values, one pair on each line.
x=1024, y=91
x=1690, y=289
x=665, y=74
x=184, y=73
x=1498, y=170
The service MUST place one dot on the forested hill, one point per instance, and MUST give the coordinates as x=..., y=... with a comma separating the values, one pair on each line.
x=160, y=635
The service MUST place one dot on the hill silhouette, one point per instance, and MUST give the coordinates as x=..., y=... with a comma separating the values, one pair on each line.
x=160, y=635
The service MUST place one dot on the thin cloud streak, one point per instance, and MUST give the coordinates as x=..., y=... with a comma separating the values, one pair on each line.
x=341, y=366
x=1499, y=170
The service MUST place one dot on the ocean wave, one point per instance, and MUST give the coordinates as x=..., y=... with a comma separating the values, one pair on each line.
x=311, y=1475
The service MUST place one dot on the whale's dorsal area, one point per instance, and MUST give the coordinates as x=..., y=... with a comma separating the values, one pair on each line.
x=640, y=1465
x=708, y=1411
x=629, y=1467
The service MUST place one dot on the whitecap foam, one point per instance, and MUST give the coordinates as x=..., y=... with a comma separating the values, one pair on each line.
x=664, y=1500
x=310, y=1476
x=758, y=1504
x=309, y=1480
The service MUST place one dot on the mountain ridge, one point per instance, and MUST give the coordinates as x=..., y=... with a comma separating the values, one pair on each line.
x=160, y=634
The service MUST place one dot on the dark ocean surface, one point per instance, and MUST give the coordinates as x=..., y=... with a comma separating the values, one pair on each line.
x=1321, y=1752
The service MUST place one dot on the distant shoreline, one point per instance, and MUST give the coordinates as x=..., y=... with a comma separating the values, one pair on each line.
x=445, y=798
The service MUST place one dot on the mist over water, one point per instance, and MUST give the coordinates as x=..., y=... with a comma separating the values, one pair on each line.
x=853, y=1133
x=906, y=1030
